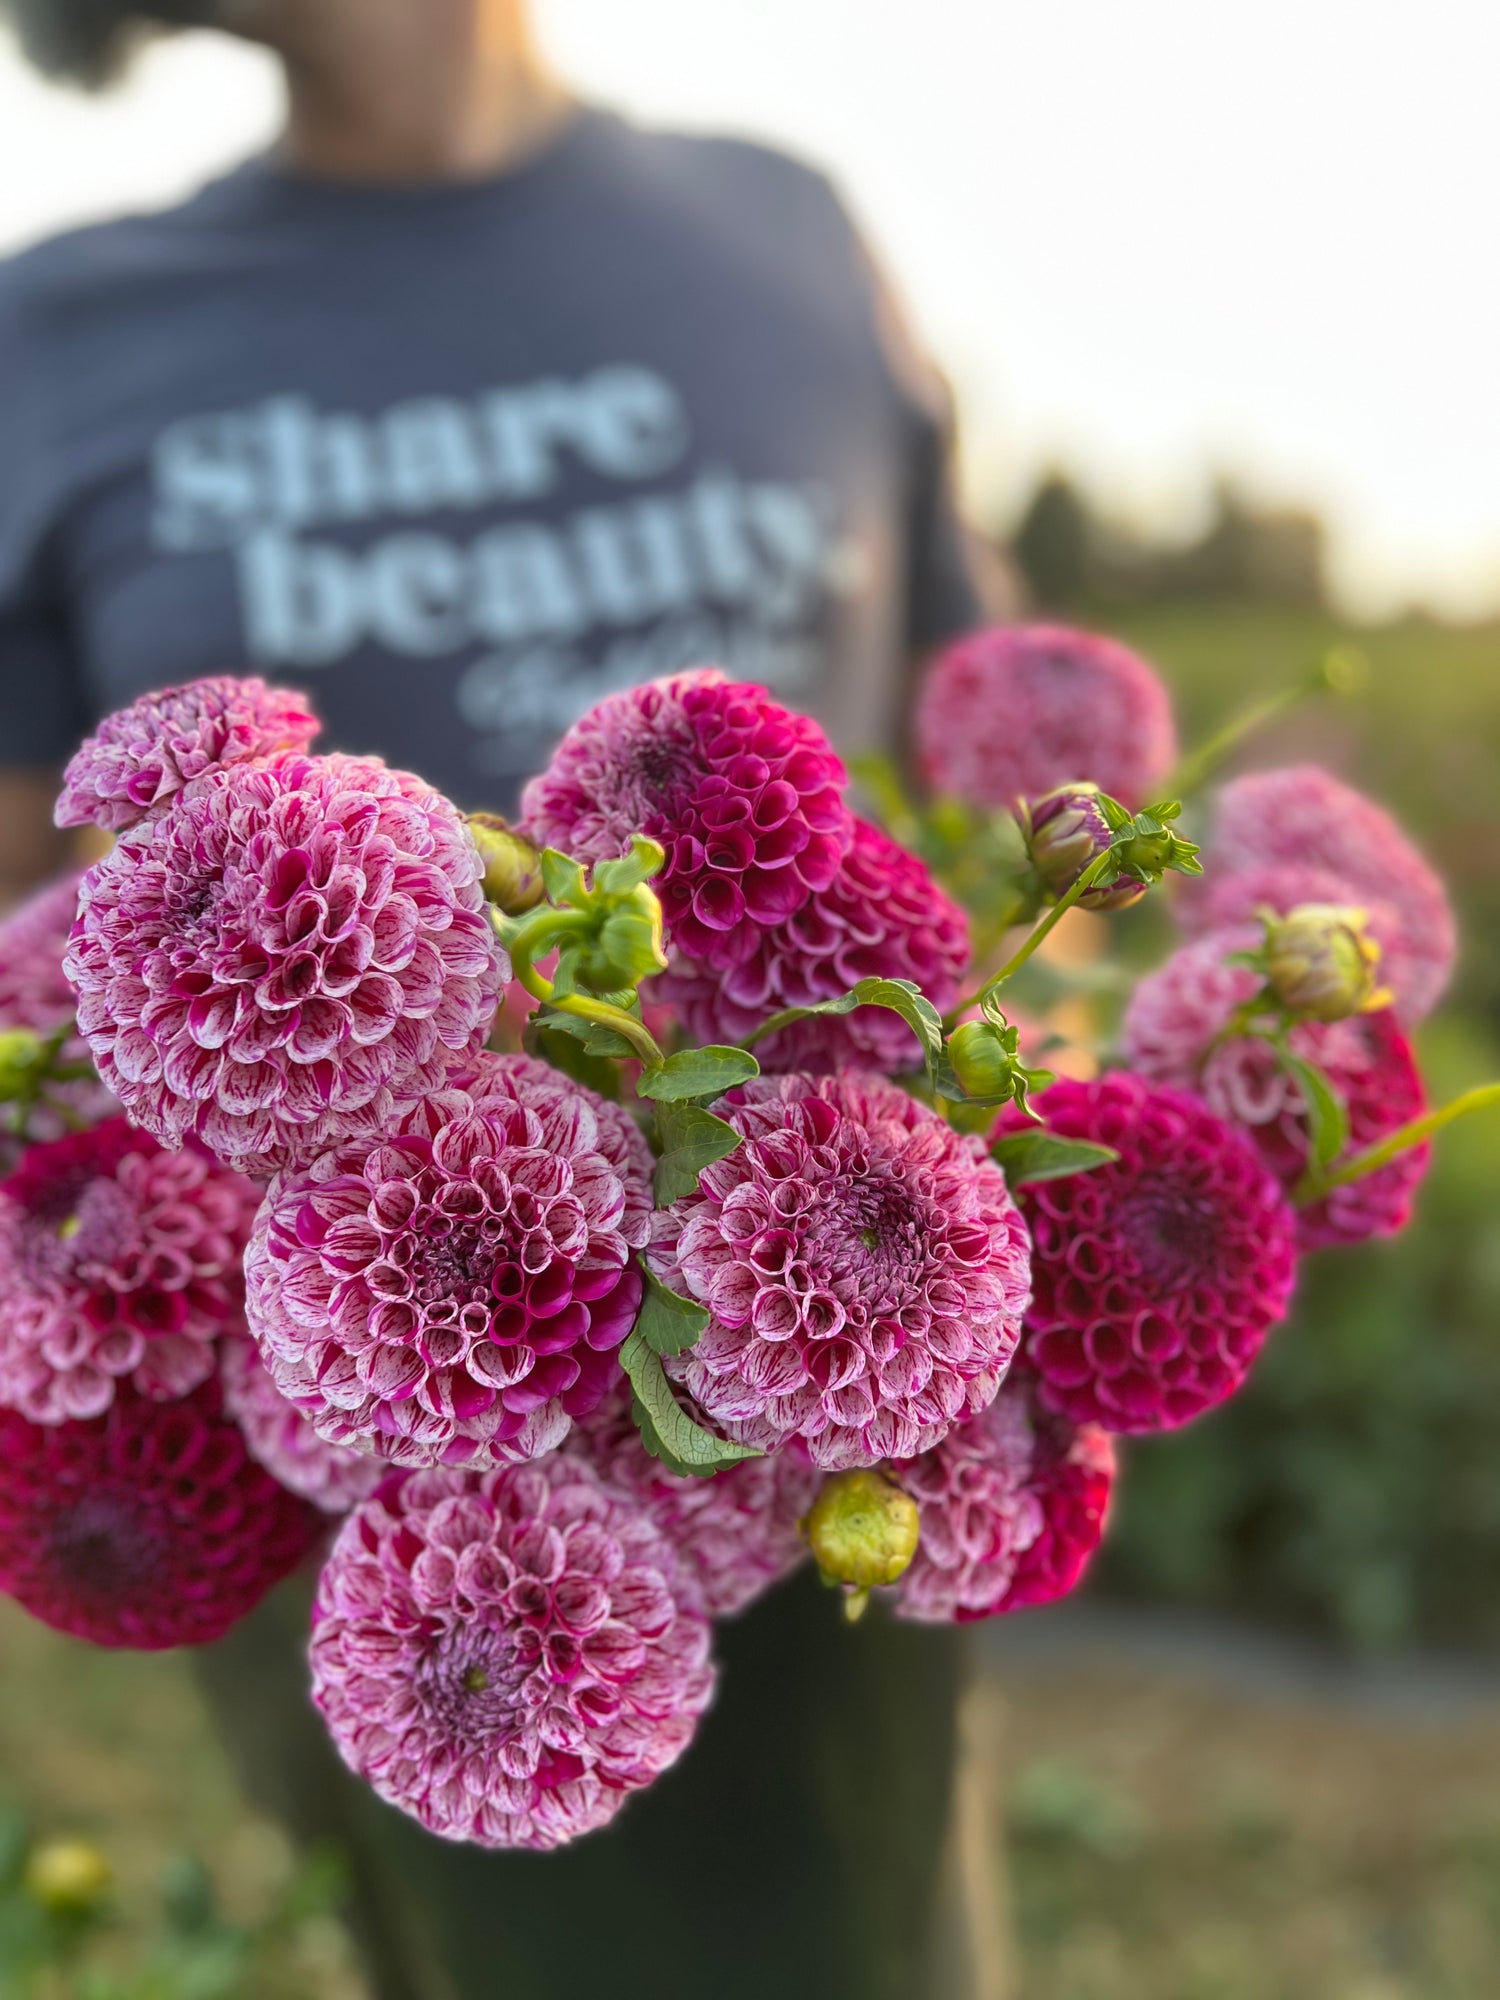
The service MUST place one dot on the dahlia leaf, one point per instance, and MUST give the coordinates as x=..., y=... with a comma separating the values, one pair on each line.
x=691, y=1139
x=705, y=1072
x=667, y=1431
x=900, y=995
x=597, y=1040
x=1047, y=1156
x=668, y=1323
x=572, y=1053
x=1327, y=1117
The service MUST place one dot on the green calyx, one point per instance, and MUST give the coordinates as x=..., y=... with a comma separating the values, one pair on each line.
x=606, y=927
x=1320, y=962
x=863, y=1531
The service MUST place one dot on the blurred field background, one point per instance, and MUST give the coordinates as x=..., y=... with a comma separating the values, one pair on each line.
x=1174, y=1833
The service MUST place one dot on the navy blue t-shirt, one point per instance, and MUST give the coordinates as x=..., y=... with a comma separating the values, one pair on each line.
x=460, y=459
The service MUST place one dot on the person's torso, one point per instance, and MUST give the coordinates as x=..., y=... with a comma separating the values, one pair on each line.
x=461, y=463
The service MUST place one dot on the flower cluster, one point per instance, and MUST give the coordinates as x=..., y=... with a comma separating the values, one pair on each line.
x=563, y=1360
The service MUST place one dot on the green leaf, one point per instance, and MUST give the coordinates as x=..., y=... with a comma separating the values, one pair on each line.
x=668, y=1323
x=900, y=995
x=1047, y=1156
x=706, y=1072
x=562, y=877
x=567, y=1052
x=667, y=1431
x=645, y=859
x=597, y=1039
x=1327, y=1117
x=691, y=1139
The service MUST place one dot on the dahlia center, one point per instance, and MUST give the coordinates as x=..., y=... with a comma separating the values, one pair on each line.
x=1171, y=1232
x=105, y=1552
x=457, y=1268
x=875, y=1240
x=73, y=1221
x=467, y=1681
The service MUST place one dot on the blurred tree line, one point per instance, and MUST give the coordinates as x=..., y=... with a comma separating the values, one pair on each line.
x=1354, y=1486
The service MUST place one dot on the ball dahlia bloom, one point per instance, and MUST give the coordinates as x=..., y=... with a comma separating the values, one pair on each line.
x=735, y=1534
x=139, y=756
x=281, y=1436
x=746, y=797
x=456, y=1288
x=1337, y=847
x=118, y=1262
x=148, y=1527
x=35, y=994
x=1157, y=1277
x=864, y=1266
x=882, y=916
x=506, y=1656
x=291, y=951
x=1012, y=1505
x=1172, y=1032
x=1018, y=710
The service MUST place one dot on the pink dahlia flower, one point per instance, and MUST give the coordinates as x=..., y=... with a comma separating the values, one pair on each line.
x=1157, y=1277
x=455, y=1289
x=1172, y=1033
x=35, y=994
x=507, y=1655
x=147, y=1527
x=1302, y=819
x=118, y=1262
x=141, y=755
x=1012, y=1506
x=882, y=916
x=281, y=1436
x=291, y=952
x=1013, y=712
x=735, y=1534
x=746, y=798
x=864, y=1266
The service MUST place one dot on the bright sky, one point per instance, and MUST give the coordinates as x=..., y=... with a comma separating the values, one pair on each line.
x=1148, y=237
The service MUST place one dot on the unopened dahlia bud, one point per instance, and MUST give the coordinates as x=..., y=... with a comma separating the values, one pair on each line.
x=68, y=1877
x=627, y=947
x=23, y=1060
x=1066, y=832
x=986, y=1059
x=1321, y=962
x=862, y=1531
x=512, y=866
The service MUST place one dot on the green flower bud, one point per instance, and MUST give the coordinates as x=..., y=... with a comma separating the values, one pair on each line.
x=512, y=866
x=980, y=1060
x=625, y=949
x=68, y=1877
x=23, y=1064
x=1066, y=831
x=862, y=1529
x=1321, y=961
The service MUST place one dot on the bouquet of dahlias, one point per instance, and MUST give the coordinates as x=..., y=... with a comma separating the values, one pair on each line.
x=562, y=1231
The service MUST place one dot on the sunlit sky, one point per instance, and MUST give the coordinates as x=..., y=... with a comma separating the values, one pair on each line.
x=1150, y=238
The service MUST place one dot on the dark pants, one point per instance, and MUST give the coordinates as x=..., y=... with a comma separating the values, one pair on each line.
x=791, y=1855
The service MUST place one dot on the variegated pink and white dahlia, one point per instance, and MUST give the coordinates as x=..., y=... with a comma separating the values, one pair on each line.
x=864, y=1266
x=1175, y=1032
x=1012, y=1504
x=281, y=1436
x=507, y=1656
x=745, y=796
x=291, y=951
x=1013, y=712
x=139, y=756
x=735, y=1534
x=118, y=1262
x=1157, y=1276
x=1303, y=819
x=882, y=917
x=455, y=1290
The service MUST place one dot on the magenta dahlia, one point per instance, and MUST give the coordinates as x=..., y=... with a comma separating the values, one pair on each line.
x=455, y=1289
x=507, y=1655
x=292, y=951
x=118, y=1262
x=281, y=1436
x=882, y=916
x=1174, y=1032
x=35, y=994
x=864, y=1266
x=1012, y=1505
x=746, y=798
x=147, y=1527
x=1157, y=1277
x=735, y=1534
x=1015, y=711
x=139, y=756
x=1345, y=847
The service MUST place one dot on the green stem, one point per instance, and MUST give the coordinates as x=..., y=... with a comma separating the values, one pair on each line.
x=1315, y=1186
x=607, y=1015
x=1337, y=672
x=539, y=934
x=1018, y=958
